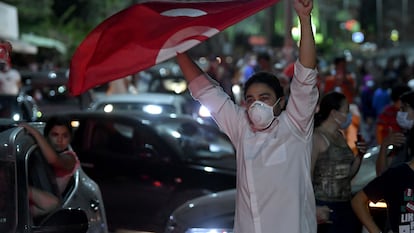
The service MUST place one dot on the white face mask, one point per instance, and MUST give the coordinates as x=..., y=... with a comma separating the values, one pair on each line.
x=402, y=120
x=261, y=114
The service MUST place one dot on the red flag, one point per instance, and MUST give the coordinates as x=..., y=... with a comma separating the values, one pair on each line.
x=148, y=33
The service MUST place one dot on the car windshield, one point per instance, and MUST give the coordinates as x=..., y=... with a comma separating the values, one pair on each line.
x=7, y=196
x=140, y=107
x=196, y=142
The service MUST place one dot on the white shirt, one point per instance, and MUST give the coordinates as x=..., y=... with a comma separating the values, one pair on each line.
x=9, y=82
x=274, y=186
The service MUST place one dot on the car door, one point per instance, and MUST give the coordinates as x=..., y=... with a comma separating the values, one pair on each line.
x=128, y=162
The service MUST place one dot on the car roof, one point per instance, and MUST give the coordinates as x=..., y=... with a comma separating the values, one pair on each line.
x=127, y=116
x=141, y=97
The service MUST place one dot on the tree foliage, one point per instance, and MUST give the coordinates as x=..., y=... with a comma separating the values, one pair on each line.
x=68, y=21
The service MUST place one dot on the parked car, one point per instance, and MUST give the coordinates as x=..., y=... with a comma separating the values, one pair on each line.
x=22, y=164
x=148, y=165
x=152, y=103
x=18, y=108
x=50, y=84
x=215, y=212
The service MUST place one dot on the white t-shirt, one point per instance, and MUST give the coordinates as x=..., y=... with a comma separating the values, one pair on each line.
x=10, y=82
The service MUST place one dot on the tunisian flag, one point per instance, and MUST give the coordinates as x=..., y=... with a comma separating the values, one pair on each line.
x=148, y=33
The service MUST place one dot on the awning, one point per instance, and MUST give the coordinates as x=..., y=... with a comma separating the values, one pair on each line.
x=23, y=47
x=44, y=42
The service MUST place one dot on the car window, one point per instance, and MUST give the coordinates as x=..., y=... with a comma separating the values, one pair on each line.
x=196, y=141
x=115, y=138
x=8, y=204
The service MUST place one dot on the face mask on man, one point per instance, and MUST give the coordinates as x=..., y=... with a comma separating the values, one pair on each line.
x=347, y=122
x=402, y=120
x=261, y=114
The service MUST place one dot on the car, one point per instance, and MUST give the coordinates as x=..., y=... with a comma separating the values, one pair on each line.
x=215, y=212
x=22, y=165
x=147, y=165
x=152, y=103
x=19, y=108
x=50, y=84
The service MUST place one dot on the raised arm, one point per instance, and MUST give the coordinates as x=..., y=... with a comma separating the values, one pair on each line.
x=307, y=48
x=189, y=68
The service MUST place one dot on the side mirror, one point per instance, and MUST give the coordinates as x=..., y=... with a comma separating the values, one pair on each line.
x=64, y=221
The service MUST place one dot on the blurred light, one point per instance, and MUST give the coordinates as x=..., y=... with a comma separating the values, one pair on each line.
x=108, y=108
x=175, y=86
x=191, y=205
x=52, y=75
x=208, y=169
x=39, y=114
x=152, y=109
x=358, y=37
x=379, y=204
x=352, y=25
x=236, y=89
x=157, y=184
x=74, y=124
x=214, y=148
x=204, y=112
x=16, y=117
x=395, y=35
x=61, y=89
x=208, y=230
x=175, y=134
x=295, y=33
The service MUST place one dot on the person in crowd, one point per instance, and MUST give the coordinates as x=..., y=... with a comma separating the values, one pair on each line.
x=395, y=186
x=10, y=79
x=274, y=187
x=386, y=120
x=344, y=82
x=55, y=147
x=367, y=111
x=334, y=164
x=341, y=80
x=381, y=97
x=402, y=141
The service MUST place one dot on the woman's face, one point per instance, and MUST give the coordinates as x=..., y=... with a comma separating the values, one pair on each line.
x=59, y=136
x=341, y=114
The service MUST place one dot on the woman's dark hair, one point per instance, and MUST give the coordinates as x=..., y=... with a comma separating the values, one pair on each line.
x=266, y=78
x=330, y=101
x=57, y=121
x=408, y=97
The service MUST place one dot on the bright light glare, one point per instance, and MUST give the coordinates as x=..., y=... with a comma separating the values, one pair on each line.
x=204, y=112
x=108, y=108
x=153, y=109
x=74, y=124
x=208, y=230
x=208, y=169
x=214, y=148
x=175, y=134
x=16, y=117
x=236, y=89
x=379, y=204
